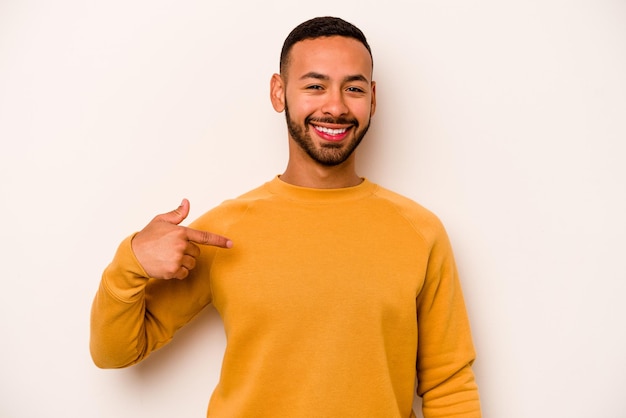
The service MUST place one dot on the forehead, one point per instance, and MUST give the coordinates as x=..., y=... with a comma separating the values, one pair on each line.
x=334, y=55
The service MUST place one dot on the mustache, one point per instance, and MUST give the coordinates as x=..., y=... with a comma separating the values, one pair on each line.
x=338, y=121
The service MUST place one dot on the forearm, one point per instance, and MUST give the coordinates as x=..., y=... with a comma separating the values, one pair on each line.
x=117, y=331
x=457, y=397
x=118, y=315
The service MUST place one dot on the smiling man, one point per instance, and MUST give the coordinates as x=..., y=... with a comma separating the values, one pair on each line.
x=338, y=295
x=326, y=90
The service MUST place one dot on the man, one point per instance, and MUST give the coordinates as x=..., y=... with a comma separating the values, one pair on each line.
x=336, y=294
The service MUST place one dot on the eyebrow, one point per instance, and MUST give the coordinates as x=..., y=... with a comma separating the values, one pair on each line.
x=347, y=79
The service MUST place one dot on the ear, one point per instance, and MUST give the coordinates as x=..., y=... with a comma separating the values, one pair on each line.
x=277, y=93
x=373, y=110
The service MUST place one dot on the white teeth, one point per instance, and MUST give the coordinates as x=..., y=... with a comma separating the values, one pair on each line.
x=330, y=131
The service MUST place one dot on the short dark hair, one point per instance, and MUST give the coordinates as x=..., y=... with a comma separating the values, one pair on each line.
x=319, y=27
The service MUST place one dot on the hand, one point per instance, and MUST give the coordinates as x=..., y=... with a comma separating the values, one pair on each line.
x=167, y=250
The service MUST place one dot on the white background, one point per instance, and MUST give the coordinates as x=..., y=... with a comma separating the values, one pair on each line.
x=507, y=119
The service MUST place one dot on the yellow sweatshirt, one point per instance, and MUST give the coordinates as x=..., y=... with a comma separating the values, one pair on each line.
x=333, y=302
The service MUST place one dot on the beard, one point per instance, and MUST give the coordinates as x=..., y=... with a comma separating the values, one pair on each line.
x=327, y=154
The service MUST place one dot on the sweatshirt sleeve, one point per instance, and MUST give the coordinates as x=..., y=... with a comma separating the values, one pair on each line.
x=133, y=315
x=445, y=348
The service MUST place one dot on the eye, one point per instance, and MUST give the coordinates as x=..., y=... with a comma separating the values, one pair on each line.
x=314, y=87
x=355, y=90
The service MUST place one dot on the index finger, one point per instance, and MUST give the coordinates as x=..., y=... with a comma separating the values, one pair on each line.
x=208, y=238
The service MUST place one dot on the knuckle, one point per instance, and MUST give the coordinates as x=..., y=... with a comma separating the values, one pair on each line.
x=206, y=237
x=192, y=263
x=172, y=268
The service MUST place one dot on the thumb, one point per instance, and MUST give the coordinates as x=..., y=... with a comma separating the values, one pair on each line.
x=177, y=215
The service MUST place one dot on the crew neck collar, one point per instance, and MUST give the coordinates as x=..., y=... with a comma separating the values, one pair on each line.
x=307, y=194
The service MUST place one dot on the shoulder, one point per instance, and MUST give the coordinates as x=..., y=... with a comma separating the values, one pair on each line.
x=422, y=219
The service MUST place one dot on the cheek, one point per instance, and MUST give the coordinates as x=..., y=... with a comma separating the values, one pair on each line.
x=303, y=107
x=362, y=111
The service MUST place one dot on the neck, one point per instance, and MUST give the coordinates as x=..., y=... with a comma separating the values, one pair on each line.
x=317, y=176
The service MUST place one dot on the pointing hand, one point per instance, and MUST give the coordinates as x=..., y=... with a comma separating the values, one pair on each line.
x=167, y=250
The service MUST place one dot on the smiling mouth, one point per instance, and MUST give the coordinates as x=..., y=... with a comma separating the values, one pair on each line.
x=330, y=131
x=330, y=134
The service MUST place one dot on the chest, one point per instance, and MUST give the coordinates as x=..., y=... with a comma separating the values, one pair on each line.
x=313, y=264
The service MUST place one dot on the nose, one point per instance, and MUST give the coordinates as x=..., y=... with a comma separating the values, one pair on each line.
x=335, y=104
